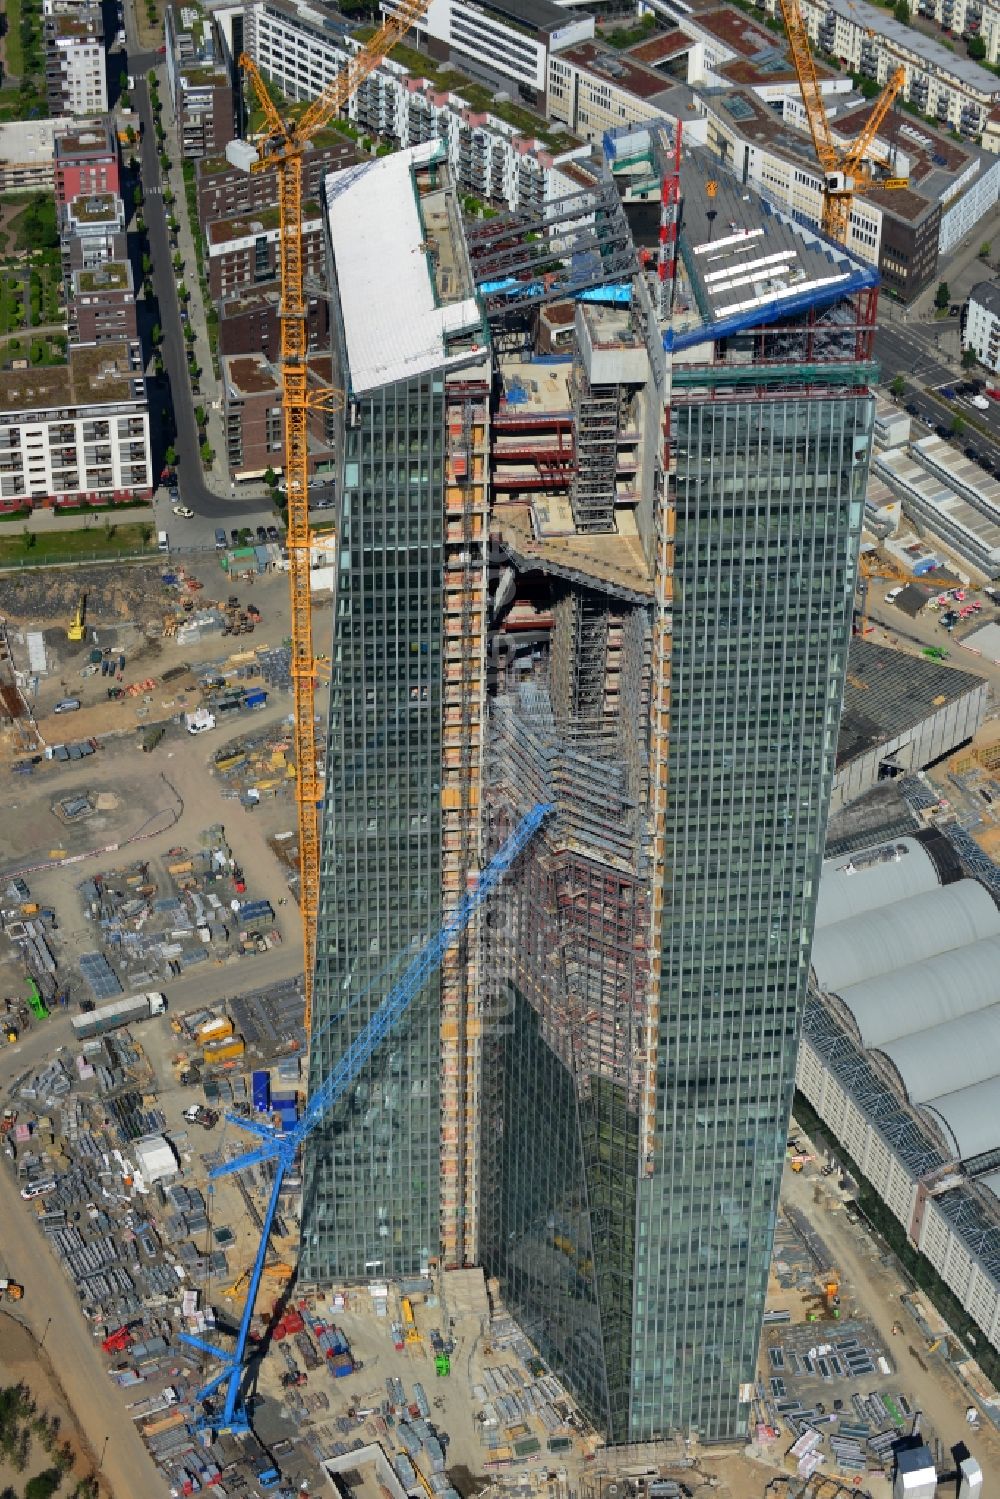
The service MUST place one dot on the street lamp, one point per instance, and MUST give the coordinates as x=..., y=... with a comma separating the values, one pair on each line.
x=104, y=1449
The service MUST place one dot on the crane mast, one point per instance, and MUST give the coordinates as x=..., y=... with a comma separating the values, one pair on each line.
x=281, y=1149
x=281, y=146
x=845, y=173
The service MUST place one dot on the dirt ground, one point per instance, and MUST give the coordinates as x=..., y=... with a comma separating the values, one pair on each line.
x=874, y=1290
x=120, y=605
x=23, y=1362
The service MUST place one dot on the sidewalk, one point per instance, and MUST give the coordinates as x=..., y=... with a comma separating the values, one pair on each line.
x=44, y=522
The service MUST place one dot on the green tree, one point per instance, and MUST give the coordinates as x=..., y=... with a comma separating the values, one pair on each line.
x=976, y=48
x=985, y=250
x=43, y=1485
x=958, y=425
x=942, y=297
x=177, y=263
x=155, y=334
x=164, y=161
x=29, y=538
x=969, y=360
x=207, y=453
x=901, y=12
x=189, y=334
x=183, y=294
x=200, y=416
x=270, y=478
x=168, y=197
x=898, y=386
x=137, y=195
x=147, y=265
x=170, y=457
x=123, y=81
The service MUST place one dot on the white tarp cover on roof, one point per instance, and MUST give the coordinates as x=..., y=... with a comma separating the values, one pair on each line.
x=392, y=327
x=972, y=1115
x=904, y=932
x=861, y=881
x=926, y=994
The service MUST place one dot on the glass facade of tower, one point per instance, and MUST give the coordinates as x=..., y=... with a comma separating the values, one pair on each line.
x=371, y=1199
x=640, y=1270
x=769, y=496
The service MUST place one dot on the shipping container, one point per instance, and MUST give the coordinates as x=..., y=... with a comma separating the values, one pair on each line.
x=260, y=1091
x=225, y=1051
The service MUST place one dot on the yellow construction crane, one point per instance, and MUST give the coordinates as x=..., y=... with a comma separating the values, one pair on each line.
x=845, y=172
x=281, y=145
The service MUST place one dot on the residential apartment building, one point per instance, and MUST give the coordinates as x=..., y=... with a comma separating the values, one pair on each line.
x=240, y=253
x=199, y=80
x=76, y=80
x=249, y=322
x=591, y=1099
x=86, y=160
x=225, y=191
x=101, y=304
x=76, y=432
x=253, y=419
x=504, y=43
x=981, y=324
x=941, y=83
x=300, y=49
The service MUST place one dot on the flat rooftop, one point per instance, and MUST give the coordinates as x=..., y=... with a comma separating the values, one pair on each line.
x=617, y=68
x=30, y=142
x=255, y=374
x=94, y=376
x=85, y=140
x=113, y=275
x=532, y=535
x=96, y=208
x=530, y=388
x=888, y=693
x=398, y=320
x=963, y=474
x=536, y=15
x=662, y=48
x=912, y=480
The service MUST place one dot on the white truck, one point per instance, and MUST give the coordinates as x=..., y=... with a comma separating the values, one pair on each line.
x=200, y=721
x=119, y=1012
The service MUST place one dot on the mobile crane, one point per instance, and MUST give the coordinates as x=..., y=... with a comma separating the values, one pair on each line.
x=846, y=172
x=281, y=145
x=281, y=1149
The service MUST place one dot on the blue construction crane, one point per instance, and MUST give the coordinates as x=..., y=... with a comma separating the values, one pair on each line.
x=283, y=1148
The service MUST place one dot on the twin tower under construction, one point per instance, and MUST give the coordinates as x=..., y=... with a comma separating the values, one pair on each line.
x=597, y=536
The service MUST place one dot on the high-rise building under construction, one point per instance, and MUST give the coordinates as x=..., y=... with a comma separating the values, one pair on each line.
x=670, y=469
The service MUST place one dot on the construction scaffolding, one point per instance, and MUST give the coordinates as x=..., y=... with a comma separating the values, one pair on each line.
x=466, y=463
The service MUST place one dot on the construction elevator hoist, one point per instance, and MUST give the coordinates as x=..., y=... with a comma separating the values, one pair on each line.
x=280, y=145
x=283, y=1148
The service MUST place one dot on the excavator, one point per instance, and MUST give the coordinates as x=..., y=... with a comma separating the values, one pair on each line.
x=77, y=629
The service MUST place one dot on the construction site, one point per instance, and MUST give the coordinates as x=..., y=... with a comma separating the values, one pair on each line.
x=404, y=1151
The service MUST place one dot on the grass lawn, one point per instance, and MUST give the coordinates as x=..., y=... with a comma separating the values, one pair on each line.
x=11, y=302
x=12, y=41
x=73, y=546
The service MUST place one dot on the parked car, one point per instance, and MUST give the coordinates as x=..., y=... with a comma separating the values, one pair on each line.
x=272, y=533
x=949, y=392
x=184, y=511
x=261, y=534
x=894, y=593
x=234, y=536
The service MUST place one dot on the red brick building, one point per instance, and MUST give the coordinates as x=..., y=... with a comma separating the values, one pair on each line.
x=248, y=322
x=225, y=191
x=243, y=252
x=252, y=416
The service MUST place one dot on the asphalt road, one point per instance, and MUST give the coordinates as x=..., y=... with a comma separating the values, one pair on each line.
x=910, y=352
x=934, y=411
